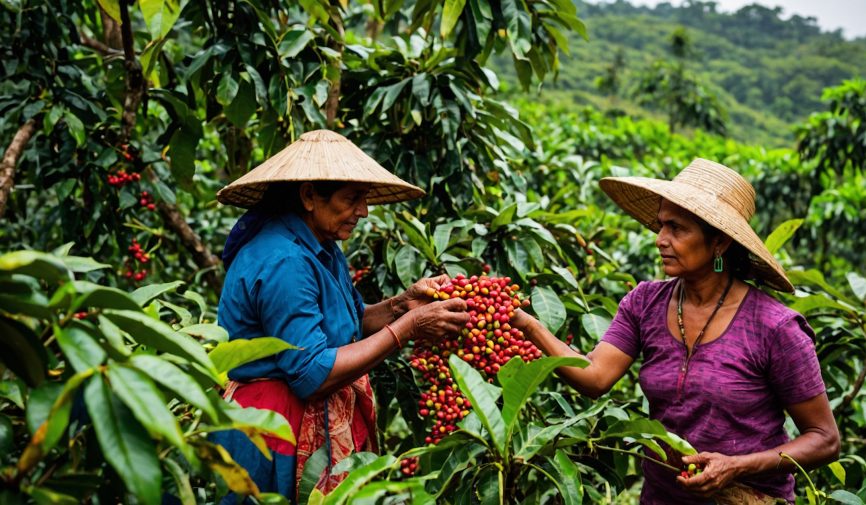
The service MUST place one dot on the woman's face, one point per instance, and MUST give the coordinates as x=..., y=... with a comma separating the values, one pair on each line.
x=682, y=244
x=334, y=218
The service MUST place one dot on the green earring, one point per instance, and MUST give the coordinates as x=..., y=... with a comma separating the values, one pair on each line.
x=719, y=264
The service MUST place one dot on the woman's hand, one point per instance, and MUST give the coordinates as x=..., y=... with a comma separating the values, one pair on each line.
x=418, y=294
x=437, y=320
x=718, y=471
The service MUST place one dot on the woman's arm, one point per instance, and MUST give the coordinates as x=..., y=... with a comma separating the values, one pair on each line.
x=607, y=363
x=432, y=321
x=817, y=444
x=377, y=315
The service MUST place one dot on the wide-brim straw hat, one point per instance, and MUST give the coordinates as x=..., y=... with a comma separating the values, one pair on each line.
x=319, y=155
x=714, y=193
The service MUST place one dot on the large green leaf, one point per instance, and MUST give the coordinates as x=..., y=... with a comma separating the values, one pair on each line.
x=158, y=335
x=810, y=303
x=145, y=294
x=357, y=478
x=94, y=295
x=229, y=355
x=35, y=264
x=176, y=380
x=504, y=217
x=160, y=15
x=538, y=437
x=254, y=422
x=520, y=380
x=313, y=468
x=490, y=485
x=483, y=399
x=79, y=345
x=568, y=482
x=858, y=285
x=647, y=428
x=22, y=352
x=595, y=325
x=220, y=461
x=782, y=234
x=419, y=241
x=462, y=457
x=146, y=402
x=548, y=307
x=450, y=15
x=124, y=442
x=816, y=278
x=846, y=497
x=207, y=331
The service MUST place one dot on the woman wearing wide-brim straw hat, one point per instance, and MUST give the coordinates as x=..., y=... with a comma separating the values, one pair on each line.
x=287, y=277
x=721, y=360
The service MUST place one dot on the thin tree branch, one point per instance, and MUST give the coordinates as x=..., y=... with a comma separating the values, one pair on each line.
x=858, y=384
x=10, y=161
x=332, y=105
x=98, y=46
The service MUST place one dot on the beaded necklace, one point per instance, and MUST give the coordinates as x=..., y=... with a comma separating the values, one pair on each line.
x=691, y=351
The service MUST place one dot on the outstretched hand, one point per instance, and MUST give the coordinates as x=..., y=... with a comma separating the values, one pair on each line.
x=718, y=471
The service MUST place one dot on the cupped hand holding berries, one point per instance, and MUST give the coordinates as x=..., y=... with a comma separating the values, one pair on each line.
x=437, y=320
x=420, y=293
x=712, y=473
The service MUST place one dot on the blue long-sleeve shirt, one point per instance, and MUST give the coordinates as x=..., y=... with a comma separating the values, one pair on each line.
x=284, y=283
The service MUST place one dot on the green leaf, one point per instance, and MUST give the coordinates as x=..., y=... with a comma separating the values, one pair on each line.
x=595, y=325
x=35, y=264
x=125, y=444
x=46, y=496
x=566, y=275
x=647, y=428
x=254, y=422
x=207, y=331
x=483, y=399
x=160, y=15
x=505, y=217
x=450, y=15
x=81, y=265
x=181, y=482
x=520, y=380
x=490, y=488
x=114, y=338
x=146, y=402
x=112, y=8
x=145, y=294
x=158, y=335
x=810, y=303
x=313, y=468
x=518, y=257
x=419, y=241
x=548, y=307
x=858, y=284
x=842, y=496
x=569, y=482
x=176, y=380
x=782, y=234
x=76, y=127
x=80, y=346
x=538, y=438
x=356, y=479
x=243, y=106
x=10, y=389
x=838, y=471
x=228, y=355
x=392, y=92
x=816, y=278
x=22, y=352
x=227, y=89
x=7, y=434
x=355, y=461
x=94, y=295
x=463, y=456
x=404, y=264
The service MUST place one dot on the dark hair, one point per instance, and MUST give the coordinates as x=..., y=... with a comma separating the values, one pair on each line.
x=736, y=257
x=282, y=197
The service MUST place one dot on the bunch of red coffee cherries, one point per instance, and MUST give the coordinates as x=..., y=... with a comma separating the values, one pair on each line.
x=121, y=178
x=138, y=257
x=487, y=342
x=146, y=201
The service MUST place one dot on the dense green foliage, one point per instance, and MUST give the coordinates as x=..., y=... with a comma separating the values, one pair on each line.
x=177, y=98
x=767, y=68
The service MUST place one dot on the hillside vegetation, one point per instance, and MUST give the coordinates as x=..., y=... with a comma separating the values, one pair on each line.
x=767, y=69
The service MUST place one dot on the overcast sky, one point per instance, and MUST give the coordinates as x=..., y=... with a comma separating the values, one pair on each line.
x=849, y=15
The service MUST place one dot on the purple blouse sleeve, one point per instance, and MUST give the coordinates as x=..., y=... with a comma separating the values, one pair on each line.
x=624, y=331
x=794, y=371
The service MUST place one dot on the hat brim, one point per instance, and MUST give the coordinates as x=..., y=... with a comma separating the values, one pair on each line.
x=319, y=155
x=641, y=197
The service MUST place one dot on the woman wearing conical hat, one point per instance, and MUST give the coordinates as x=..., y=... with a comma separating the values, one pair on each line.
x=287, y=277
x=721, y=360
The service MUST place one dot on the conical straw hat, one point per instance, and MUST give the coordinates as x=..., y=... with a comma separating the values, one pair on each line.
x=711, y=191
x=319, y=155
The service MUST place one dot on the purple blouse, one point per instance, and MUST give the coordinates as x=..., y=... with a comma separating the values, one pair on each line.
x=731, y=400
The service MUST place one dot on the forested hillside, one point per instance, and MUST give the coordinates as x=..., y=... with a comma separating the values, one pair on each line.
x=766, y=67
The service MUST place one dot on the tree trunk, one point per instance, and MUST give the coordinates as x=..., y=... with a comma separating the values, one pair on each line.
x=335, y=72
x=10, y=161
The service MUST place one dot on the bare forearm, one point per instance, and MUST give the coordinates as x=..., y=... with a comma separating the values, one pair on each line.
x=358, y=358
x=584, y=380
x=810, y=450
x=376, y=316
